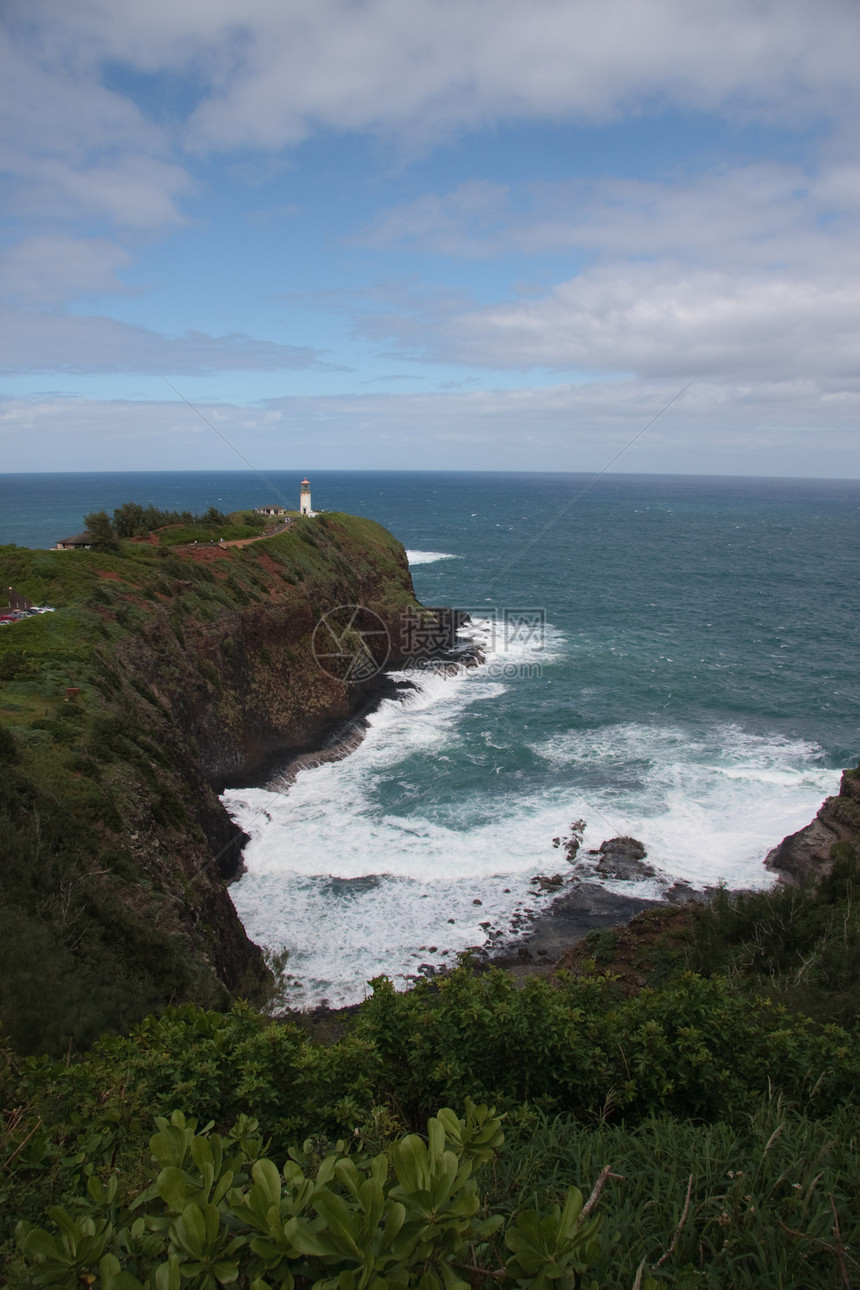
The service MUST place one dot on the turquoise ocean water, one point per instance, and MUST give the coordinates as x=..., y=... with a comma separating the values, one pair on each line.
x=673, y=658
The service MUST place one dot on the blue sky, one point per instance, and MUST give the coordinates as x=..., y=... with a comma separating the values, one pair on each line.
x=443, y=234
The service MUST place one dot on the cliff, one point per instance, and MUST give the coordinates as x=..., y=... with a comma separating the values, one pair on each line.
x=811, y=851
x=164, y=674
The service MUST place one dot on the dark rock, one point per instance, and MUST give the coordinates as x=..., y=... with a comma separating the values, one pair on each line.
x=681, y=893
x=806, y=854
x=622, y=858
x=630, y=847
x=573, y=913
x=547, y=884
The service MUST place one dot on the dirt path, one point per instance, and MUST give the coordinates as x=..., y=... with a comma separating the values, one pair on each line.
x=279, y=528
x=199, y=547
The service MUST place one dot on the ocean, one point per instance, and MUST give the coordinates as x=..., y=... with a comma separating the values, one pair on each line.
x=672, y=658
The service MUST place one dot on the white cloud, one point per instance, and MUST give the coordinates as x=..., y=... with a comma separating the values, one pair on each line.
x=67, y=343
x=761, y=212
x=53, y=106
x=746, y=276
x=737, y=271
x=765, y=428
x=50, y=269
x=659, y=320
x=70, y=146
x=264, y=74
x=134, y=192
x=270, y=72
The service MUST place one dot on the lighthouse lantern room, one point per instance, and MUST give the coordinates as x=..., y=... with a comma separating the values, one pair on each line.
x=305, y=499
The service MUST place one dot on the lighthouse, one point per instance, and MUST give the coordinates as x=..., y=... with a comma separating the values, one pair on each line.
x=305, y=499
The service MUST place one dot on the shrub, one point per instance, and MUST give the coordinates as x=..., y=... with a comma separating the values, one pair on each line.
x=218, y=1211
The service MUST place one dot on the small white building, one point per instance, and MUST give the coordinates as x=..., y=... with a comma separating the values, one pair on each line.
x=305, y=498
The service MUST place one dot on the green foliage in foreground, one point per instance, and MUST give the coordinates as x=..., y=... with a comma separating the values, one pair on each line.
x=695, y=1049
x=218, y=1212
x=697, y=1056
x=768, y=1205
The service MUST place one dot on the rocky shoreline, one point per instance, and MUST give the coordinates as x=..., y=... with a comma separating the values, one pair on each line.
x=580, y=901
x=808, y=852
x=547, y=938
x=540, y=940
x=583, y=905
x=346, y=734
x=344, y=738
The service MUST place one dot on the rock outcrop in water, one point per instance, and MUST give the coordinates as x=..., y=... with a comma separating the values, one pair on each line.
x=809, y=851
x=623, y=859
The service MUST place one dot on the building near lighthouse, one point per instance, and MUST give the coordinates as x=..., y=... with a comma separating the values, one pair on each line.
x=305, y=498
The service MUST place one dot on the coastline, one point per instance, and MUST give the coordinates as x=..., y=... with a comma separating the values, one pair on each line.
x=546, y=939
x=343, y=735
x=584, y=907
x=571, y=909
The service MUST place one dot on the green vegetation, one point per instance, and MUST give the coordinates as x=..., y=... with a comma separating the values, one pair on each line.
x=216, y=1209
x=132, y=520
x=102, y=533
x=171, y=528
x=718, y=1128
x=720, y=1131
x=799, y=944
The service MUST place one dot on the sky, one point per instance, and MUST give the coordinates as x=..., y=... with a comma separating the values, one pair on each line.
x=430, y=234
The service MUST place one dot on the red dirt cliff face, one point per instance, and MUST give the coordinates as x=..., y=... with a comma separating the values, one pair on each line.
x=808, y=852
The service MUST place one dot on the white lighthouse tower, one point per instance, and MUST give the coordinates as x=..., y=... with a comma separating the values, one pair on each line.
x=305, y=499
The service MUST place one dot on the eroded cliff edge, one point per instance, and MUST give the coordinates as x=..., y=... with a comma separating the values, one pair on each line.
x=166, y=673
x=811, y=851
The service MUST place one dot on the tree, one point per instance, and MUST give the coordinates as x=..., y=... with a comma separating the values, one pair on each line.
x=101, y=531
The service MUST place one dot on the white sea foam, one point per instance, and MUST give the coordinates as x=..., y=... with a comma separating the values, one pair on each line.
x=428, y=557
x=708, y=807
x=514, y=639
x=353, y=889
x=375, y=864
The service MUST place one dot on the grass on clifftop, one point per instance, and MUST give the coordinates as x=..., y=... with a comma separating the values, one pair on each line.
x=101, y=597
